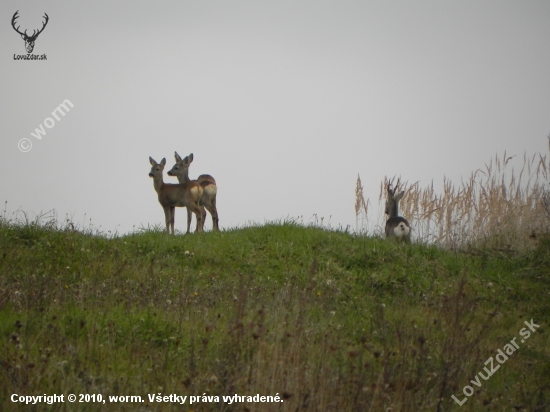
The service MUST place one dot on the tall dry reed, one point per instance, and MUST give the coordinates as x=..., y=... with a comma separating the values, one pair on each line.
x=361, y=207
x=495, y=206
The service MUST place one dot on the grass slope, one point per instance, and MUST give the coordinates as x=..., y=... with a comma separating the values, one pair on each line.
x=326, y=320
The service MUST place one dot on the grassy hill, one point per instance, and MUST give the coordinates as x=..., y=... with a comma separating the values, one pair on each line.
x=325, y=320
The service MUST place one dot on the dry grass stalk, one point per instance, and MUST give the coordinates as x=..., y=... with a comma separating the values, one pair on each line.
x=361, y=207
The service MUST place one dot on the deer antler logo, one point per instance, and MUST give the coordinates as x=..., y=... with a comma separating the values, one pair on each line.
x=29, y=40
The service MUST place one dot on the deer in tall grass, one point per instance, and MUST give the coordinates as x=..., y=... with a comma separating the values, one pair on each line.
x=176, y=195
x=207, y=182
x=396, y=226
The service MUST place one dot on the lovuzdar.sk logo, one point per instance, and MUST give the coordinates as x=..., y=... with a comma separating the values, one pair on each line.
x=29, y=40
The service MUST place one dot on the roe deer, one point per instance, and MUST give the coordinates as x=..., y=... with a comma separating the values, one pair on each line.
x=208, y=199
x=396, y=226
x=172, y=195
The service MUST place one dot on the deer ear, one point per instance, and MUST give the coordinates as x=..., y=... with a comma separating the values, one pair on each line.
x=152, y=161
x=190, y=157
x=163, y=161
x=400, y=195
x=177, y=157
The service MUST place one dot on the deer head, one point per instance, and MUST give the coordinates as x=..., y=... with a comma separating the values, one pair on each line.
x=181, y=168
x=157, y=168
x=29, y=40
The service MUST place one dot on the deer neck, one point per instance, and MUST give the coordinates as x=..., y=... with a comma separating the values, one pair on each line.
x=184, y=176
x=394, y=210
x=158, y=182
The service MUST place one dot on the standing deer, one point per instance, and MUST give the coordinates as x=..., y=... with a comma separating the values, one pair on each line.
x=176, y=195
x=396, y=226
x=207, y=182
x=29, y=40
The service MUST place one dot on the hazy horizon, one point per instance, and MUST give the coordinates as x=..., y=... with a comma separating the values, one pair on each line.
x=284, y=103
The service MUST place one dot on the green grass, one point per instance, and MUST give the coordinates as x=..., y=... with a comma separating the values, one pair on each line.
x=326, y=319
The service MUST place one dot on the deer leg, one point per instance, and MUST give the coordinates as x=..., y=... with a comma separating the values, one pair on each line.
x=197, y=210
x=200, y=225
x=214, y=213
x=167, y=218
x=172, y=217
x=203, y=214
x=189, y=216
x=210, y=205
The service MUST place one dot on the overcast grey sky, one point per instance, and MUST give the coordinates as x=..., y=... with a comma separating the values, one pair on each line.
x=283, y=102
